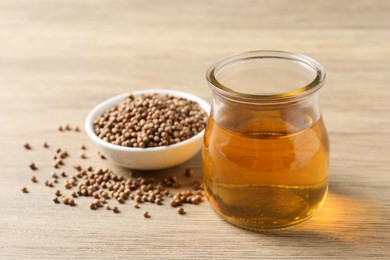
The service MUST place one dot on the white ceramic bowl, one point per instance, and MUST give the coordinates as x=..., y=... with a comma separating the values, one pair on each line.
x=146, y=158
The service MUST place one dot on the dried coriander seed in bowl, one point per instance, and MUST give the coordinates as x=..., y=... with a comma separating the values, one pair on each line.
x=149, y=129
x=151, y=120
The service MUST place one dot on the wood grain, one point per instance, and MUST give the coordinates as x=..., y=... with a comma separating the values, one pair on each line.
x=60, y=58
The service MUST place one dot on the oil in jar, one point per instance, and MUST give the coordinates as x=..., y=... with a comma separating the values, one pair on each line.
x=265, y=180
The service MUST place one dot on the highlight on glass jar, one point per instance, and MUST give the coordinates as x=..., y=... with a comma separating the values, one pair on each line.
x=266, y=149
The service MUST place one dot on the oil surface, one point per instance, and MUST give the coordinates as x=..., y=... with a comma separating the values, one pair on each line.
x=262, y=180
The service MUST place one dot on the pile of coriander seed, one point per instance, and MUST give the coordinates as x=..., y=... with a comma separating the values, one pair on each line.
x=151, y=120
x=108, y=190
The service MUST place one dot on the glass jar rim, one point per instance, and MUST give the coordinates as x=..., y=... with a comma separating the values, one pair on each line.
x=298, y=93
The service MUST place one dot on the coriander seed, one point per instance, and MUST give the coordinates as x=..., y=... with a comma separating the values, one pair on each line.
x=65, y=200
x=34, y=179
x=67, y=185
x=33, y=166
x=101, y=156
x=24, y=190
x=189, y=172
x=146, y=214
x=71, y=202
x=77, y=167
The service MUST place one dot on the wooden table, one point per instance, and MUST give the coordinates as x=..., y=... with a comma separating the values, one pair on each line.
x=60, y=58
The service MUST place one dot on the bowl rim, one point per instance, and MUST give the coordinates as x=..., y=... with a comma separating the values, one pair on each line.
x=112, y=101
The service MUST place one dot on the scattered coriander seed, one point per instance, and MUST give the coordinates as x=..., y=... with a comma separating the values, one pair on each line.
x=45, y=145
x=97, y=203
x=101, y=156
x=197, y=185
x=67, y=127
x=60, y=129
x=67, y=185
x=83, y=147
x=146, y=214
x=63, y=154
x=77, y=167
x=77, y=129
x=103, y=184
x=108, y=207
x=73, y=182
x=65, y=200
x=71, y=202
x=83, y=156
x=138, y=198
x=27, y=146
x=175, y=203
x=181, y=211
x=33, y=166
x=60, y=162
x=34, y=179
x=24, y=190
x=189, y=172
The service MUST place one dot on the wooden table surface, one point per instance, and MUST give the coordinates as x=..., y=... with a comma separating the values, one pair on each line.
x=60, y=58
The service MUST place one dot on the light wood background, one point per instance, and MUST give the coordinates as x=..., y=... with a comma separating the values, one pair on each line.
x=60, y=58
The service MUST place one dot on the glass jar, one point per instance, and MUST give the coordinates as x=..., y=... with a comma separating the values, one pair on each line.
x=266, y=149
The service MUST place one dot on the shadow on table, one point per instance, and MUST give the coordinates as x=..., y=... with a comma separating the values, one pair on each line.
x=345, y=222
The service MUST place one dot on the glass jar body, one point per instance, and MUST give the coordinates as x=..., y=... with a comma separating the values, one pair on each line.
x=265, y=165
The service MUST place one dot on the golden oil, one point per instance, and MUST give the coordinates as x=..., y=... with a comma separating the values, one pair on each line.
x=265, y=180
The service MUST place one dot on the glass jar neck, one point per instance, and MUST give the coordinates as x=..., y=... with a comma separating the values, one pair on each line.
x=261, y=119
x=268, y=77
